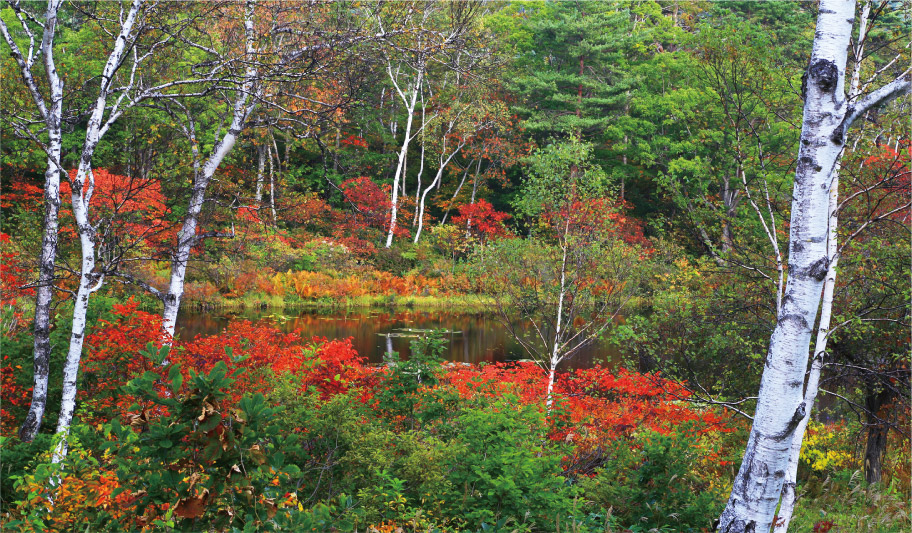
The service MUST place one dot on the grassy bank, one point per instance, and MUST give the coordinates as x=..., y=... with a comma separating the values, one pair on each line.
x=462, y=303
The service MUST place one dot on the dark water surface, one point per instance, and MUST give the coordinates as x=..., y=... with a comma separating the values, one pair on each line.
x=473, y=337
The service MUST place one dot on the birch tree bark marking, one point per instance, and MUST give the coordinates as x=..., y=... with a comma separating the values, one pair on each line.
x=780, y=405
x=81, y=195
x=51, y=113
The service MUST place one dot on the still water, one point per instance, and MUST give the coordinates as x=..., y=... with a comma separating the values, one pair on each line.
x=473, y=337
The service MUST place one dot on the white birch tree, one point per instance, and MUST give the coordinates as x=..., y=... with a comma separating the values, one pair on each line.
x=781, y=404
x=559, y=290
x=246, y=98
x=409, y=97
x=789, y=487
x=123, y=85
x=82, y=186
x=50, y=109
x=448, y=149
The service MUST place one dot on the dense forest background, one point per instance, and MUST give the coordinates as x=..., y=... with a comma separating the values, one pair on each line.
x=619, y=172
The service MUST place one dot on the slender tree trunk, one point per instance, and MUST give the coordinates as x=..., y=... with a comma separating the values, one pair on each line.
x=187, y=238
x=790, y=485
x=780, y=405
x=558, y=321
x=336, y=152
x=44, y=294
x=51, y=111
x=89, y=282
x=472, y=199
x=272, y=187
x=624, y=173
x=730, y=202
x=437, y=179
x=446, y=214
x=261, y=167
x=81, y=196
x=418, y=186
x=403, y=152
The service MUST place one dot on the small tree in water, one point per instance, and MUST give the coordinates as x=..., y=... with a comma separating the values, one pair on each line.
x=560, y=288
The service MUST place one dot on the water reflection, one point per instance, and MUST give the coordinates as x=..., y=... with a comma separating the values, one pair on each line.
x=473, y=337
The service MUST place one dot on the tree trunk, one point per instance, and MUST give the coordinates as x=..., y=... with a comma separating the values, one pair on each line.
x=403, y=152
x=44, y=293
x=261, y=167
x=436, y=181
x=780, y=404
x=187, y=238
x=89, y=282
x=51, y=112
x=272, y=173
x=876, y=443
x=790, y=485
x=81, y=196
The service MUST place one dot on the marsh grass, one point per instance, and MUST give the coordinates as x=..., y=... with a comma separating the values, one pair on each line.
x=852, y=506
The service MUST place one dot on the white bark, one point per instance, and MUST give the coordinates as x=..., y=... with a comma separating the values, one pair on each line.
x=82, y=186
x=261, y=165
x=89, y=282
x=272, y=188
x=442, y=164
x=781, y=406
x=556, y=354
x=244, y=104
x=50, y=111
x=272, y=174
x=790, y=485
x=789, y=494
x=410, y=99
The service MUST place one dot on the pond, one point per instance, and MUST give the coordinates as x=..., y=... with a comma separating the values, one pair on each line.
x=473, y=337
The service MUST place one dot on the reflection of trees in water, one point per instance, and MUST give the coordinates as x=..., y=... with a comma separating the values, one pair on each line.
x=474, y=338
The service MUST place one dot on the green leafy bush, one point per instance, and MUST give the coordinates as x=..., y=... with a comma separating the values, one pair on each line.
x=654, y=481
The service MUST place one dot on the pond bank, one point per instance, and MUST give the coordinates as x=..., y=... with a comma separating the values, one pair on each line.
x=466, y=303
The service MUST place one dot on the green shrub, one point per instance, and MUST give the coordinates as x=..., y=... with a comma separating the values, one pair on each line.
x=654, y=481
x=502, y=469
x=214, y=465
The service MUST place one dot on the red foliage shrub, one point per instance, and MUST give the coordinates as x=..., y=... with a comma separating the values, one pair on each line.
x=481, y=220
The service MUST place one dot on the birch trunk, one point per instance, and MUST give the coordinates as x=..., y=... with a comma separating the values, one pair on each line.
x=261, y=167
x=436, y=181
x=789, y=487
x=89, y=282
x=410, y=101
x=81, y=197
x=50, y=111
x=272, y=186
x=780, y=404
x=187, y=238
x=556, y=356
